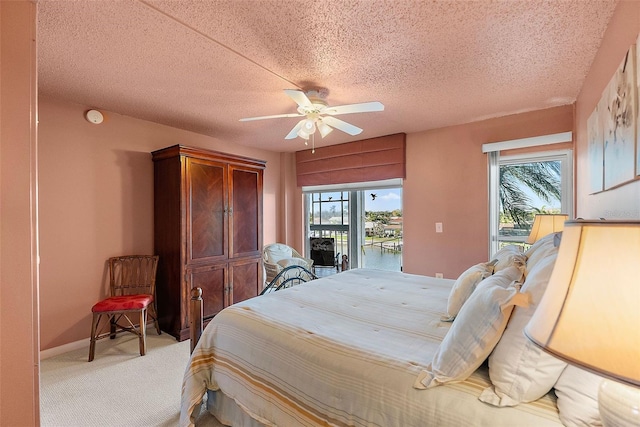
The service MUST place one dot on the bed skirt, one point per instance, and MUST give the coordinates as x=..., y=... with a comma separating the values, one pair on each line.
x=228, y=412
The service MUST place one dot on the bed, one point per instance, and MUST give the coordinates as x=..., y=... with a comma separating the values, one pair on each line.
x=360, y=348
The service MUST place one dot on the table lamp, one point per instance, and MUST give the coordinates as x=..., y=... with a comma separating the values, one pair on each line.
x=544, y=224
x=589, y=315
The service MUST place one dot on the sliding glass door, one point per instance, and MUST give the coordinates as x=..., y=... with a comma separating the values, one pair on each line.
x=364, y=223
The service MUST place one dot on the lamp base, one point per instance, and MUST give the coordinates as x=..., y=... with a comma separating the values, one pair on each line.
x=619, y=404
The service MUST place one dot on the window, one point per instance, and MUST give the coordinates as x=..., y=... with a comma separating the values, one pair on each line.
x=364, y=221
x=382, y=242
x=521, y=186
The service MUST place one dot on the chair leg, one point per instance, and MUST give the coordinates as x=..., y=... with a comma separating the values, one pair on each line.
x=92, y=345
x=154, y=316
x=112, y=321
x=155, y=321
x=143, y=331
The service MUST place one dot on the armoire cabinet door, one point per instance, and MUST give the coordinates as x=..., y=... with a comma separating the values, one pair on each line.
x=206, y=206
x=213, y=281
x=244, y=277
x=245, y=212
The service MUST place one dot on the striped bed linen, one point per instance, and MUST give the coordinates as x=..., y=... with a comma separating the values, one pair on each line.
x=343, y=350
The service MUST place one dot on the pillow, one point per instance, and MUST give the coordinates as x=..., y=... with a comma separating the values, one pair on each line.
x=577, y=392
x=276, y=252
x=476, y=330
x=519, y=370
x=540, y=250
x=464, y=286
x=508, y=256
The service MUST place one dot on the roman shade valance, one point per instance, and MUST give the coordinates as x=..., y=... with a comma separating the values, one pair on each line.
x=371, y=159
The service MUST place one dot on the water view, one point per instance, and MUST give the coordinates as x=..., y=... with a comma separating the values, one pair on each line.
x=381, y=253
x=382, y=259
x=380, y=211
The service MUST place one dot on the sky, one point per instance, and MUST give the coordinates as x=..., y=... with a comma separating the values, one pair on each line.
x=538, y=202
x=391, y=199
x=385, y=200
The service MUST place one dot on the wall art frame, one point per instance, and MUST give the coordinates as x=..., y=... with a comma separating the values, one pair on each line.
x=613, y=128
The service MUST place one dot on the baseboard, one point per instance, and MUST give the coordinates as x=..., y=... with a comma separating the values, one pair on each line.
x=55, y=351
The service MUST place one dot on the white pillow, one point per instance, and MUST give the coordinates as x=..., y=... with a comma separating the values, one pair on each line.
x=278, y=251
x=577, y=392
x=539, y=251
x=476, y=330
x=464, y=287
x=508, y=256
x=519, y=370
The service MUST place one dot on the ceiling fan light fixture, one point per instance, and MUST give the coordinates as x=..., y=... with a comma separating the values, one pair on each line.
x=309, y=126
x=324, y=128
x=303, y=133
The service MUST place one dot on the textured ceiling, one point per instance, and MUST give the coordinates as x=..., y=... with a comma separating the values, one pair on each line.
x=203, y=65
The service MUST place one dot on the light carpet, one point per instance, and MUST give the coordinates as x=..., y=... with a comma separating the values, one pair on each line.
x=119, y=388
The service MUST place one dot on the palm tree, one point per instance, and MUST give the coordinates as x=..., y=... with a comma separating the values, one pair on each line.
x=542, y=178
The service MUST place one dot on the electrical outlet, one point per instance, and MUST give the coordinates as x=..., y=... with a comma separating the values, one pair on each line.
x=439, y=276
x=438, y=227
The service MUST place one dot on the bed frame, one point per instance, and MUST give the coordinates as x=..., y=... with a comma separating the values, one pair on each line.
x=290, y=276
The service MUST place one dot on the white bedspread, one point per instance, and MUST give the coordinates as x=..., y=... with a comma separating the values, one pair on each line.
x=342, y=350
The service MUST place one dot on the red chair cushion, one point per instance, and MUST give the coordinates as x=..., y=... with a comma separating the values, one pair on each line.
x=128, y=302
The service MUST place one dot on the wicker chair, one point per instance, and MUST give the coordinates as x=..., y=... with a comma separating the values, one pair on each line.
x=132, y=281
x=277, y=256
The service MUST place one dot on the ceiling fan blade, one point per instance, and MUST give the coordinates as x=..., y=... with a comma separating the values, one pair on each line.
x=248, y=119
x=299, y=97
x=294, y=132
x=364, y=107
x=342, y=125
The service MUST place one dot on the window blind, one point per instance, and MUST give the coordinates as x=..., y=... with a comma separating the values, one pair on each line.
x=555, y=138
x=372, y=159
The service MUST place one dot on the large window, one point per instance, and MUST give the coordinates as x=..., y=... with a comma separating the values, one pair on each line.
x=522, y=186
x=364, y=221
x=382, y=242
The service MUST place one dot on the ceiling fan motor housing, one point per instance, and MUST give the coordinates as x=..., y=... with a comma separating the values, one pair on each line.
x=318, y=100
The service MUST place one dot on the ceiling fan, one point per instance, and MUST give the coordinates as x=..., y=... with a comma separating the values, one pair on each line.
x=318, y=115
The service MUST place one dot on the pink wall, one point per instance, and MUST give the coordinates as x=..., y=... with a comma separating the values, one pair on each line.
x=622, y=202
x=94, y=182
x=96, y=201
x=291, y=213
x=447, y=182
x=19, y=370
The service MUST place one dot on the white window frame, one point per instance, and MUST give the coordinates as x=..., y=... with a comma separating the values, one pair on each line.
x=356, y=211
x=495, y=161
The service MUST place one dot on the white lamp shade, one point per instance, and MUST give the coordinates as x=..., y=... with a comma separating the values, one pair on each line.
x=303, y=134
x=309, y=126
x=589, y=315
x=307, y=129
x=324, y=128
x=545, y=224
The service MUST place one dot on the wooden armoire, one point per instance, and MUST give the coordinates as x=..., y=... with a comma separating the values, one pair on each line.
x=207, y=231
